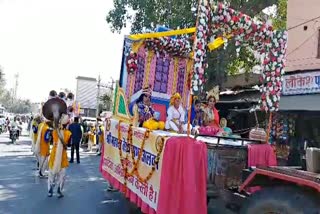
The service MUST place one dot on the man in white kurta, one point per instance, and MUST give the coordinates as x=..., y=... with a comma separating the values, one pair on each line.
x=176, y=115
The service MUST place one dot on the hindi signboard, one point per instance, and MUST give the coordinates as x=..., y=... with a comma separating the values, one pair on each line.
x=149, y=191
x=303, y=83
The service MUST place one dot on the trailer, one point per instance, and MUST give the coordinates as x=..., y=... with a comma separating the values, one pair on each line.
x=140, y=162
x=277, y=189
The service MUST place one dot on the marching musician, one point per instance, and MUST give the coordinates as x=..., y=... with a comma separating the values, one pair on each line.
x=34, y=133
x=43, y=146
x=58, y=161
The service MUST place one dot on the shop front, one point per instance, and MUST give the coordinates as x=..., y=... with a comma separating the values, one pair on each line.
x=297, y=124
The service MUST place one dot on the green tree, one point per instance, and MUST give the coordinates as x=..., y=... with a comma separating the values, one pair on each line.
x=181, y=14
x=280, y=17
x=106, y=102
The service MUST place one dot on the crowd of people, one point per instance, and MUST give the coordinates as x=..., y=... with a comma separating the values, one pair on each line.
x=204, y=115
x=50, y=143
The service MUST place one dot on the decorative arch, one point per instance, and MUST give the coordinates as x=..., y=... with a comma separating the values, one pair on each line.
x=269, y=46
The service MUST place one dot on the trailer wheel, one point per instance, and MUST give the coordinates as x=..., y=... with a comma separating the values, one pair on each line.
x=282, y=200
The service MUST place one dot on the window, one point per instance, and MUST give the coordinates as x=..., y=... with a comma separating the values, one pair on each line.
x=181, y=77
x=140, y=74
x=161, y=75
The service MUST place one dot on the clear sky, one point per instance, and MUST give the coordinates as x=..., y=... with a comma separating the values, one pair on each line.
x=50, y=42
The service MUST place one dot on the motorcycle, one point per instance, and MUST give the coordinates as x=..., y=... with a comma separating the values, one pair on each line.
x=14, y=134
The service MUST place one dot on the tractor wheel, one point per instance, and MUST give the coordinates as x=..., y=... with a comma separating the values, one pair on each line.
x=282, y=200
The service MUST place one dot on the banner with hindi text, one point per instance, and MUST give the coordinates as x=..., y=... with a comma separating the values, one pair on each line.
x=149, y=191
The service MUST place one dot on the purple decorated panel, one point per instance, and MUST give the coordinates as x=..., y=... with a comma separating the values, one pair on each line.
x=140, y=74
x=181, y=77
x=161, y=75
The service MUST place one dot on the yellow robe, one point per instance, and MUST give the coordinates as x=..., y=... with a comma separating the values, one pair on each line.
x=101, y=136
x=44, y=146
x=35, y=135
x=92, y=136
x=64, y=159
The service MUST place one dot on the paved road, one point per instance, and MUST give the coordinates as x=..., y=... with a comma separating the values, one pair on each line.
x=21, y=191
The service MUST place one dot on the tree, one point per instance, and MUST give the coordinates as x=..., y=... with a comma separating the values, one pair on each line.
x=106, y=102
x=280, y=17
x=181, y=14
x=8, y=101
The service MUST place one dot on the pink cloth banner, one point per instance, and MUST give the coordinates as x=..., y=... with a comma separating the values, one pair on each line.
x=184, y=177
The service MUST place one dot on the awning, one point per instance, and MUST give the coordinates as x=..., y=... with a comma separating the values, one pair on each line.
x=309, y=102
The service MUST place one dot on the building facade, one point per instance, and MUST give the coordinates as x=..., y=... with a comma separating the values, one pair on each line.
x=303, y=24
x=86, y=95
x=300, y=101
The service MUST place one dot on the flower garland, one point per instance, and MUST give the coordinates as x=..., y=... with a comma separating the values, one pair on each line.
x=136, y=163
x=135, y=169
x=132, y=62
x=270, y=48
x=200, y=50
x=122, y=160
x=179, y=47
x=176, y=47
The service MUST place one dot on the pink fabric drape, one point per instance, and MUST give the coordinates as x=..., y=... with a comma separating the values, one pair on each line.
x=183, y=180
x=261, y=155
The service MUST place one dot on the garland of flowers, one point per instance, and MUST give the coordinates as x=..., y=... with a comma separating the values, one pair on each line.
x=200, y=50
x=135, y=169
x=269, y=46
x=108, y=124
x=179, y=47
x=176, y=47
x=132, y=63
x=124, y=161
x=123, y=164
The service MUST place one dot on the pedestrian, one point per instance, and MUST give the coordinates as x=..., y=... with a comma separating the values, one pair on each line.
x=34, y=134
x=58, y=161
x=100, y=138
x=76, y=136
x=92, y=137
x=42, y=148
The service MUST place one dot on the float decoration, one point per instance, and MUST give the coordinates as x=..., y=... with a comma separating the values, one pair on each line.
x=121, y=110
x=200, y=50
x=269, y=45
x=179, y=47
x=132, y=62
x=135, y=163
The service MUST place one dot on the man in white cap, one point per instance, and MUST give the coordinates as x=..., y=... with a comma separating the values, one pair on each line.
x=58, y=161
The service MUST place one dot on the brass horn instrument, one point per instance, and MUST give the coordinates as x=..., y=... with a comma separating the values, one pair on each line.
x=52, y=110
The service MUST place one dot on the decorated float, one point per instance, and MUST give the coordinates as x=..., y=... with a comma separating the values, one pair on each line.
x=166, y=172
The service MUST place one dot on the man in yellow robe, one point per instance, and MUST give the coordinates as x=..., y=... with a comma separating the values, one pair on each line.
x=101, y=138
x=58, y=161
x=92, y=137
x=43, y=146
x=34, y=134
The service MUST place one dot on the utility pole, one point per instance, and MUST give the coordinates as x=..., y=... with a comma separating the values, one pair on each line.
x=16, y=76
x=98, y=96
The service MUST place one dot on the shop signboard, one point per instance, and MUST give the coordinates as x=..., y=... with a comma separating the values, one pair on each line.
x=303, y=83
